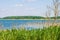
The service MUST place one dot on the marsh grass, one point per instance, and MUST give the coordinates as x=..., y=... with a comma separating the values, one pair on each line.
x=51, y=33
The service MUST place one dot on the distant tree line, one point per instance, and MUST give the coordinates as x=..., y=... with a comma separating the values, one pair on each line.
x=23, y=17
x=27, y=17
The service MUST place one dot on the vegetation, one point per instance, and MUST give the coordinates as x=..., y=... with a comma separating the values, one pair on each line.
x=28, y=17
x=51, y=33
x=58, y=17
x=23, y=17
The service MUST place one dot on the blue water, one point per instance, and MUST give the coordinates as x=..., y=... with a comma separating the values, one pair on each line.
x=8, y=24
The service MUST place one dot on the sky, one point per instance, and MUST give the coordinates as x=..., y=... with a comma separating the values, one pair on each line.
x=23, y=7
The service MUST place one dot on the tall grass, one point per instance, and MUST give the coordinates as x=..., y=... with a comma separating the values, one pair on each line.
x=51, y=33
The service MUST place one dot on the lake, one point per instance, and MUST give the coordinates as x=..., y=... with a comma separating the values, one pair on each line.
x=8, y=24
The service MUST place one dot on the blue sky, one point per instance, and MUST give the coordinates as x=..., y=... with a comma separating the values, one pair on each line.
x=23, y=7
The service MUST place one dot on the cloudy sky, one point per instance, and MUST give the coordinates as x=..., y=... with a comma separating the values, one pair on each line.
x=23, y=7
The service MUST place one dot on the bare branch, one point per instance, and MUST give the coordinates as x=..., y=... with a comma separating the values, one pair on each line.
x=50, y=8
x=55, y=9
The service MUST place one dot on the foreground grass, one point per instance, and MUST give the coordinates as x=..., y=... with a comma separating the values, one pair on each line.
x=51, y=33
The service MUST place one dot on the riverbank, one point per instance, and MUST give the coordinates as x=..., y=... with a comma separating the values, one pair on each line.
x=51, y=33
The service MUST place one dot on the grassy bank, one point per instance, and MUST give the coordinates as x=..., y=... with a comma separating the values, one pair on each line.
x=51, y=33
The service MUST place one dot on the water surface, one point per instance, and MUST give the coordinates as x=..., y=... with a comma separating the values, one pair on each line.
x=8, y=24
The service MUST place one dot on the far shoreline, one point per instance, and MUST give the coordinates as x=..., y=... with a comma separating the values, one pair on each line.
x=27, y=19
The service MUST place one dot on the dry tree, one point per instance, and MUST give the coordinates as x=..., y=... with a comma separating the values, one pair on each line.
x=55, y=9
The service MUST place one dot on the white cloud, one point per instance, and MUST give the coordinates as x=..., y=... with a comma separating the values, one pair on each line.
x=31, y=0
x=26, y=11
x=19, y=5
x=3, y=9
x=29, y=8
